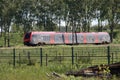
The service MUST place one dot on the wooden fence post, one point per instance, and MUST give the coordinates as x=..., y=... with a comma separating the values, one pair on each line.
x=72, y=56
x=40, y=56
x=76, y=57
x=29, y=60
x=112, y=58
x=19, y=59
x=46, y=59
x=108, y=54
x=14, y=57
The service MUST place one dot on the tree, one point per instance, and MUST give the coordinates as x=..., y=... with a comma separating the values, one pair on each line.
x=111, y=14
x=7, y=15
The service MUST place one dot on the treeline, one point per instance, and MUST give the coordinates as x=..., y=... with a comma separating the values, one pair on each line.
x=46, y=15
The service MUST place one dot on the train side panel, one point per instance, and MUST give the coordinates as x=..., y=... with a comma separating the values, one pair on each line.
x=90, y=38
x=66, y=41
x=59, y=38
x=71, y=38
x=52, y=38
x=81, y=38
x=41, y=38
x=38, y=38
x=103, y=37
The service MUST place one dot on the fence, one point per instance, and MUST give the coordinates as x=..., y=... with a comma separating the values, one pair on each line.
x=60, y=55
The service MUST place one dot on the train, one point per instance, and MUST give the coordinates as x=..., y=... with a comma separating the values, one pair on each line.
x=68, y=38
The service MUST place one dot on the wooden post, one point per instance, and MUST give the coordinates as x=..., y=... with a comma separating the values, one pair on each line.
x=72, y=56
x=13, y=57
x=40, y=56
x=46, y=59
x=108, y=54
x=29, y=60
x=19, y=60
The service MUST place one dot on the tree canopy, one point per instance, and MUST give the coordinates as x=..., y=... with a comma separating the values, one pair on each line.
x=46, y=15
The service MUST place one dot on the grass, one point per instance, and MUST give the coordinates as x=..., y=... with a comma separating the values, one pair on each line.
x=36, y=72
x=16, y=39
x=116, y=37
x=92, y=55
x=24, y=73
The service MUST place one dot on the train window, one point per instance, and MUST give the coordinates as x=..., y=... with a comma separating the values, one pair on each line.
x=90, y=38
x=102, y=38
x=105, y=38
x=43, y=37
x=58, y=38
x=72, y=38
x=46, y=38
x=80, y=38
x=34, y=36
x=27, y=35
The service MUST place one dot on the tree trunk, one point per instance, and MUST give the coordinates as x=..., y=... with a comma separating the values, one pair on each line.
x=111, y=31
x=8, y=40
x=98, y=24
x=59, y=24
x=112, y=24
x=5, y=35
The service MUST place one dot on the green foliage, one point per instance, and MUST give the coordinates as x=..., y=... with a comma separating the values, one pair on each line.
x=36, y=72
x=84, y=60
x=40, y=15
x=116, y=39
x=47, y=14
x=16, y=39
x=24, y=72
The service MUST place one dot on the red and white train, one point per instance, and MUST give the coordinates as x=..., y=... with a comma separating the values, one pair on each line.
x=42, y=38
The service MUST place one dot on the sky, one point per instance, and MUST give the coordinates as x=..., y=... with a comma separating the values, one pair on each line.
x=94, y=22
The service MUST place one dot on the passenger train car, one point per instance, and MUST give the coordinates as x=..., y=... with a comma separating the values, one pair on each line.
x=42, y=38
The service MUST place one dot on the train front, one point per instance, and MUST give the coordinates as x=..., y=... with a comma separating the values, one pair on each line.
x=27, y=38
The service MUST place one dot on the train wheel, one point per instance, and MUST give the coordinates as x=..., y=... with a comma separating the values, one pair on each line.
x=39, y=44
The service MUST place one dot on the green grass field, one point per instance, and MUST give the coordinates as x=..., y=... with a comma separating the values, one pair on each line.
x=92, y=55
x=38, y=72
x=57, y=63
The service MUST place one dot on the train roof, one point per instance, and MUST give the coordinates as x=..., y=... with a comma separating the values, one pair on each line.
x=37, y=32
